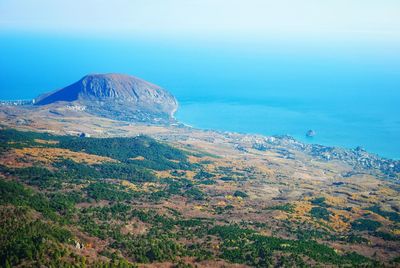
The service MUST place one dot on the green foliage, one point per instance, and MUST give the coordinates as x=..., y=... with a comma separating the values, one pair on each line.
x=35, y=239
x=393, y=216
x=227, y=179
x=146, y=249
x=320, y=213
x=23, y=239
x=156, y=155
x=207, y=182
x=108, y=191
x=177, y=173
x=72, y=172
x=69, y=169
x=12, y=138
x=35, y=176
x=182, y=187
x=16, y=194
x=221, y=210
x=202, y=175
x=182, y=264
x=284, y=207
x=245, y=246
x=354, y=239
x=195, y=194
x=229, y=232
x=365, y=225
x=96, y=220
x=159, y=243
x=396, y=260
x=240, y=194
x=320, y=201
x=64, y=203
x=359, y=260
x=290, y=260
x=176, y=187
x=387, y=236
x=311, y=233
x=124, y=171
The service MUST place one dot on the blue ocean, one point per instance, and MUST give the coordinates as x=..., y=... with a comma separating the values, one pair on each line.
x=348, y=93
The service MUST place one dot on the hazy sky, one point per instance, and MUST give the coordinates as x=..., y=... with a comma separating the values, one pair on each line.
x=379, y=19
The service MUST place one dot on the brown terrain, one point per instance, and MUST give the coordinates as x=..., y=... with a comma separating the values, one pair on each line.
x=273, y=178
x=273, y=171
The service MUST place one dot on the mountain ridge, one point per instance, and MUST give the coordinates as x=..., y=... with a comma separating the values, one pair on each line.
x=117, y=96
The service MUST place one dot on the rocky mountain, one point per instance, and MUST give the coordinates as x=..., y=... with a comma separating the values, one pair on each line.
x=117, y=96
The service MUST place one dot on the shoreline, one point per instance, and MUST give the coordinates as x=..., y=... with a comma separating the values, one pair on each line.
x=289, y=137
x=357, y=157
x=331, y=131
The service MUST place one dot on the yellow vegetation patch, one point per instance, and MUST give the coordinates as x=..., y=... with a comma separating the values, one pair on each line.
x=361, y=197
x=235, y=199
x=190, y=174
x=396, y=232
x=280, y=215
x=384, y=191
x=229, y=197
x=194, y=159
x=335, y=201
x=163, y=174
x=48, y=155
x=302, y=208
x=46, y=141
x=167, y=174
x=130, y=185
x=149, y=186
x=221, y=203
x=265, y=232
x=337, y=223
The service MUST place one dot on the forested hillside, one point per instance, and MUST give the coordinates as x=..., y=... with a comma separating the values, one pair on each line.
x=68, y=201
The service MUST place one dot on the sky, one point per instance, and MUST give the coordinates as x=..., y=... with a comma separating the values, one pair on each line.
x=250, y=19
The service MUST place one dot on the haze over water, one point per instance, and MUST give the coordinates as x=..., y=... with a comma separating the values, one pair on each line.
x=349, y=95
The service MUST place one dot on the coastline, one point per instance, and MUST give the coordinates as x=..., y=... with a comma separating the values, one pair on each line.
x=358, y=158
x=375, y=134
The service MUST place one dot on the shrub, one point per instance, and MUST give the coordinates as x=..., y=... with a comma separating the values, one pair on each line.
x=365, y=225
x=320, y=213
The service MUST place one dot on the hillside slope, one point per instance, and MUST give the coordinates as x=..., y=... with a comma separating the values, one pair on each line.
x=116, y=96
x=127, y=201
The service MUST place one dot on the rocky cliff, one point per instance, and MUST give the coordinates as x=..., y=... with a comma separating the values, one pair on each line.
x=117, y=96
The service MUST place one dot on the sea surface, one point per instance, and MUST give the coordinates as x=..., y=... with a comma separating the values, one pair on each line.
x=348, y=93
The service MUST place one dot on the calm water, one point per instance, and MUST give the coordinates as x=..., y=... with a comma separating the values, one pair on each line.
x=349, y=94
